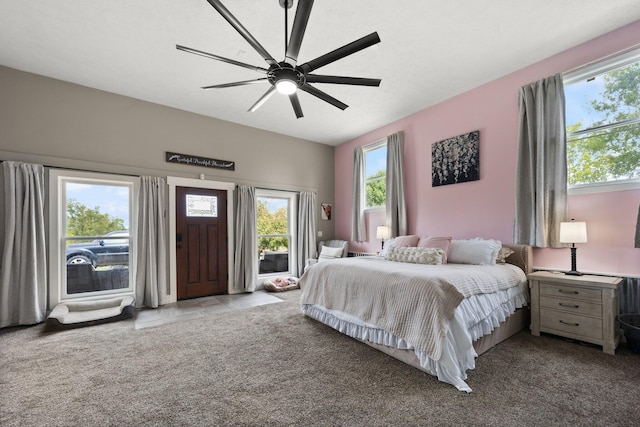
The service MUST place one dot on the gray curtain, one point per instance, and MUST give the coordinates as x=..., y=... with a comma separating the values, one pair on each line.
x=246, y=241
x=306, y=229
x=358, y=228
x=23, y=279
x=630, y=295
x=151, y=273
x=541, y=167
x=396, y=207
x=637, y=243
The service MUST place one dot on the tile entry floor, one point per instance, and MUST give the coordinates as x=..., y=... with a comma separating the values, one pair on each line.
x=200, y=307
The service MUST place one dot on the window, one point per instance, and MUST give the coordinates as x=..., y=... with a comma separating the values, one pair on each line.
x=92, y=252
x=375, y=166
x=276, y=225
x=603, y=124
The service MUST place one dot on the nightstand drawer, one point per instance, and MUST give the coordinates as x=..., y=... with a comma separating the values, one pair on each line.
x=569, y=291
x=571, y=305
x=571, y=325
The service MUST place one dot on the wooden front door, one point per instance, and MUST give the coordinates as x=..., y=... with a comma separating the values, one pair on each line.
x=201, y=242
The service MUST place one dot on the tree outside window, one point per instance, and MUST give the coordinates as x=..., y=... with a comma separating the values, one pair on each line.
x=376, y=175
x=603, y=126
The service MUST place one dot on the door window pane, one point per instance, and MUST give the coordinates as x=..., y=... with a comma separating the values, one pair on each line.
x=203, y=206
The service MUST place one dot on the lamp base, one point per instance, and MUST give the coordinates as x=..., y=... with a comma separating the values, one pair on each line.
x=573, y=273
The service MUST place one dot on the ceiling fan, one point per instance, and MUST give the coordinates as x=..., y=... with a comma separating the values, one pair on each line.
x=287, y=77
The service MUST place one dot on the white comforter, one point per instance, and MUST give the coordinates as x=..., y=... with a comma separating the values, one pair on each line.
x=371, y=287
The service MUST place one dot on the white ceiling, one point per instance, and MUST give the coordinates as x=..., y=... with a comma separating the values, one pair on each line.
x=431, y=50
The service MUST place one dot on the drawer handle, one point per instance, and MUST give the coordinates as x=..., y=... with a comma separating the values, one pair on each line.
x=569, y=323
x=562, y=291
x=561, y=304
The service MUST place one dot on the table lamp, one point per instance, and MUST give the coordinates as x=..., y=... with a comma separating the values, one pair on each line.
x=573, y=232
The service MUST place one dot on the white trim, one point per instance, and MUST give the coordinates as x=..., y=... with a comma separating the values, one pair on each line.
x=292, y=197
x=174, y=182
x=605, y=187
x=57, y=228
x=374, y=145
x=602, y=66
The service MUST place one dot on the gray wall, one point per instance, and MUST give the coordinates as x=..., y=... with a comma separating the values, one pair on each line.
x=60, y=124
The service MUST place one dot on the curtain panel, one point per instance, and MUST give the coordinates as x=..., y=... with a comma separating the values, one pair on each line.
x=358, y=228
x=637, y=240
x=541, y=166
x=151, y=274
x=23, y=279
x=246, y=241
x=395, y=204
x=307, y=206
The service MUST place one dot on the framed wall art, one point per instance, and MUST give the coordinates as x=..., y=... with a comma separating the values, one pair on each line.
x=456, y=159
x=326, y=211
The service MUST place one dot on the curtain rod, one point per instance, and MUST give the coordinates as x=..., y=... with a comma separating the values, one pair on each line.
x=604, y=58
x=77, y=169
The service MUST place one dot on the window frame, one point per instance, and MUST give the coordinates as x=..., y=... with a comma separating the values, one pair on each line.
x=292, y=215
x=58, y=178
x=367, y=149
x=590, y=71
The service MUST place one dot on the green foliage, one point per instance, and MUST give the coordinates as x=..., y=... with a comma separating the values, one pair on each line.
x=376, y=189
x=84, y=221
x=270, y=223
x=609, y=154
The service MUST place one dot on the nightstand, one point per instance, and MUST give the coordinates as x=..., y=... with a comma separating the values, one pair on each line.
x=583, y=308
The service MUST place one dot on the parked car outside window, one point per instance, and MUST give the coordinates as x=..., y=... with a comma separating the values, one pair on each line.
x=109, y=250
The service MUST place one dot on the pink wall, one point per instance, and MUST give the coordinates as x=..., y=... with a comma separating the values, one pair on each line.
x=485, y=208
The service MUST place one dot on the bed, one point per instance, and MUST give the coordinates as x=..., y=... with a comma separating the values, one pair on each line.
x=435, y=317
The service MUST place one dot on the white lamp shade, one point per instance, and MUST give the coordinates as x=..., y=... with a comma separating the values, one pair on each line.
x=382, y=232
x=573, y=232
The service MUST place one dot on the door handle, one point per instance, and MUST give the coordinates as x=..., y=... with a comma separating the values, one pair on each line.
x=179, y=237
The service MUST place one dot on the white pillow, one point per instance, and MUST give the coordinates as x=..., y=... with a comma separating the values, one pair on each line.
x=387, y=246
x=474, y=251
x=328, y=252
x=433, y=256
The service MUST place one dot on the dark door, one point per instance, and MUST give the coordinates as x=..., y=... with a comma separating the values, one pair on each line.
x=201, y=242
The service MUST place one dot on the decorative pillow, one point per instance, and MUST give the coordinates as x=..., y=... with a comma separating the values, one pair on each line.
x=503, y=254
x=474, y=251
x=387, y=245
x=443, y=243
x=407, y=241
x=328, y=252
x=413, y=255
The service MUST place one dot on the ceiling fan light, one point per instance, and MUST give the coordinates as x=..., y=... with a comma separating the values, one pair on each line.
x=286, y=87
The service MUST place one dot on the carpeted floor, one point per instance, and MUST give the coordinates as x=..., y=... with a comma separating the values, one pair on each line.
x=271, y=366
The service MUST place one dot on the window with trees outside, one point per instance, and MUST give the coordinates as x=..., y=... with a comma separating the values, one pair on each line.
x=603, y=124
x=92, y=225
x=375, y=166
x=276, y=225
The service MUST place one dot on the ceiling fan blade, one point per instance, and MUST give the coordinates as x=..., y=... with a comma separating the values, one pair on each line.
x=325, y=97
x=339, y=80
x=217, y=5
x=341, y=52
x=264, y=98
x=242, y=83
x=297, y=32
x=220, y=58
x=295, y=103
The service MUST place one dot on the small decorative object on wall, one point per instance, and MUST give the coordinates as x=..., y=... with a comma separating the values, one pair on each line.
x=456, y=159
x=200, y=161
x=326, y=211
